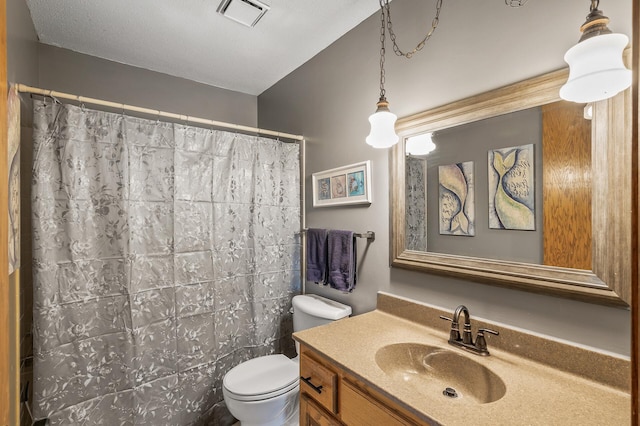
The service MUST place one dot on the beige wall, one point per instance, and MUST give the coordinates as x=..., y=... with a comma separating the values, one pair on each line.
x=478, y=46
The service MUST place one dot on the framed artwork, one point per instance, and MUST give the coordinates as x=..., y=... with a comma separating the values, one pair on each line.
x=343, y=185
x=512, y=188
x=456, y=199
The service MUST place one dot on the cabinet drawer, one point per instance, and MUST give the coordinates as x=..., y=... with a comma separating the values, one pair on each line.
x=358, y=408
x=312, y=415
x=318, y=382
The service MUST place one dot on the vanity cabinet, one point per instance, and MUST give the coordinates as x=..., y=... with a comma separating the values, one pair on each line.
x=331, y=396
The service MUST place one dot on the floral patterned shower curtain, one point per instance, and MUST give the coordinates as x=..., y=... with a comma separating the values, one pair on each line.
x=416, y=204
x=164, y=255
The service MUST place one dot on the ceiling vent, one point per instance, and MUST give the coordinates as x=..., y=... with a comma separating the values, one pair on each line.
x=246, y=12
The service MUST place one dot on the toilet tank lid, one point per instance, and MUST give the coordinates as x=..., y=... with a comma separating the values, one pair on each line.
x=320, y=307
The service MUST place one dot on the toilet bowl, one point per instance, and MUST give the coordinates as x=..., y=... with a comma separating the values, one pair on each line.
x=264, y=391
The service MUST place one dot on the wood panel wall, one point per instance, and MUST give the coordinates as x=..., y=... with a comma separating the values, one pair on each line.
x=635, y=194
x=566, y=181
x=6, y=352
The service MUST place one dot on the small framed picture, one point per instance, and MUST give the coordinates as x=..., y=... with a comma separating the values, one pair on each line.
x=343, y=185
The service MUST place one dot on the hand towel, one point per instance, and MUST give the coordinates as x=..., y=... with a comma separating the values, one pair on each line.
x=317, y=255
x=342, y=260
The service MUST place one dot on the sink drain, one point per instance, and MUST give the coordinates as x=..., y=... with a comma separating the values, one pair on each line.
x=450, y=393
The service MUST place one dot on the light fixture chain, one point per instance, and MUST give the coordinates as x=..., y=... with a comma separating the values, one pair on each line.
x=594, y=5
x=382, y=51
x=392, y=36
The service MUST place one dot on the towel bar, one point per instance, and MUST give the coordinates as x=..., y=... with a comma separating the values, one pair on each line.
x=369, y=235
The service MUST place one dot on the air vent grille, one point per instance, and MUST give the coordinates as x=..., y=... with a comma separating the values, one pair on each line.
x=245, y=12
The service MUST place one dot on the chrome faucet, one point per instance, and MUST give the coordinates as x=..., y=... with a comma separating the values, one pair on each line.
x=466, y=341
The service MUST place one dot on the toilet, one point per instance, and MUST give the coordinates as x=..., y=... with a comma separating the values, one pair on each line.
x=264, y=391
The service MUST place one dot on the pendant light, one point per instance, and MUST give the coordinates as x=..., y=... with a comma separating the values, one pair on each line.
x=383, y=133
x=596, y=68
x=383, y=122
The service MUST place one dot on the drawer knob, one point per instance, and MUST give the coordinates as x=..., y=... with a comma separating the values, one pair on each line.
x=307, y=380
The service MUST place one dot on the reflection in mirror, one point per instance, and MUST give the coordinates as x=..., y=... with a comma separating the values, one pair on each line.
x=577, y=243
x=559, y=135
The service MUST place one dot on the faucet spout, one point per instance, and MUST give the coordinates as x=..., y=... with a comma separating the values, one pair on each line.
x=466, y=341
x=466, y=332
x=459, y=310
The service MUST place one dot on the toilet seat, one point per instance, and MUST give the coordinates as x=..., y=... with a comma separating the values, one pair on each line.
x=261, y=378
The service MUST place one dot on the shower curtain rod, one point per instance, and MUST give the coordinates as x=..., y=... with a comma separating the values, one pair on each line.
x=82, y=99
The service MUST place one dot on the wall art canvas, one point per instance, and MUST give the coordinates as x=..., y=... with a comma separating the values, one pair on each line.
x=512, y=188
x=456, y=199
x=355, y=182
x=338, y=186
x=343, y=185
x=324, y=189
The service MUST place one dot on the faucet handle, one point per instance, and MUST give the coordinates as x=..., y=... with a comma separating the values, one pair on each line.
x=481, y=342
x=454, y=334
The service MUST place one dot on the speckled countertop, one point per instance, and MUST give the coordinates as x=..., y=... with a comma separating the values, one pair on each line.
x=536, y=393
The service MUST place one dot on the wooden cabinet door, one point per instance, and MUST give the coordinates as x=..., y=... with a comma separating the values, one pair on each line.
x=312, y=415
x=358, y=409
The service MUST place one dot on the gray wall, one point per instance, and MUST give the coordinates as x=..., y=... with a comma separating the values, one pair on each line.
x=479, y=46
x=22, y=44
x=67, y=71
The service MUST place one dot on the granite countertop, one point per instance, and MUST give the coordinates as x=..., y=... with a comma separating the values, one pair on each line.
x=536, y=394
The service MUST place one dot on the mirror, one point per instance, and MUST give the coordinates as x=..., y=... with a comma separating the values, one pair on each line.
x=603, y=274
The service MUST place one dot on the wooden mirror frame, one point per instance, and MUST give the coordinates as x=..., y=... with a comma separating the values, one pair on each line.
x=609, y=280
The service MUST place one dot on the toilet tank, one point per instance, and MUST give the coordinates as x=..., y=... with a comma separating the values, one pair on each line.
x=311, y=310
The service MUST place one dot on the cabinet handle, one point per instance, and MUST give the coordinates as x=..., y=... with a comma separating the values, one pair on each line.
x=307, y=380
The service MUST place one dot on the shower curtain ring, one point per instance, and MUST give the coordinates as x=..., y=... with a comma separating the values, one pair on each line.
x=54, y=98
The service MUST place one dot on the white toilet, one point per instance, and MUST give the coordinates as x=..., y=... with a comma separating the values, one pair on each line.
x=264, y=391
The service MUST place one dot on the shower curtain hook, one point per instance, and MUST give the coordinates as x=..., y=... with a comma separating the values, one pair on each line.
x=78, y=98
x=54, y=98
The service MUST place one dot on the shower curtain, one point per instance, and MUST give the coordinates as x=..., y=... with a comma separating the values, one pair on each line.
x=416, y=204
x=164, y=255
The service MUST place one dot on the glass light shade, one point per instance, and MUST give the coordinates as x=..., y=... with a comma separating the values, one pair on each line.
x=596, y=69
x=383, y=129
x=420, y=144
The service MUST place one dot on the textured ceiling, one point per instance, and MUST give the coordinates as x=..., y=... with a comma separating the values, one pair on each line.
x=189, y=39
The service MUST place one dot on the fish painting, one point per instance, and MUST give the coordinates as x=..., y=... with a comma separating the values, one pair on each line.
x=456, y=199
x=511, y=188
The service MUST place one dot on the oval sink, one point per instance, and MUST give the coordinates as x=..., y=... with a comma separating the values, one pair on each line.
x=438, y=372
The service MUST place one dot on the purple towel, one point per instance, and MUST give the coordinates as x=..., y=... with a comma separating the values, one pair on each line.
x=317, y=255
x=342, y=260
